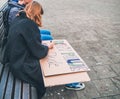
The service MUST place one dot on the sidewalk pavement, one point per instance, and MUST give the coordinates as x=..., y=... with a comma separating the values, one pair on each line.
x=92, y=27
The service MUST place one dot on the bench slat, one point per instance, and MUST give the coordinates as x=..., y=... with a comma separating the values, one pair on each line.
x=26, y=92
x=9, y=89
x=17, y=91
x=1, y=68
x=3, y=82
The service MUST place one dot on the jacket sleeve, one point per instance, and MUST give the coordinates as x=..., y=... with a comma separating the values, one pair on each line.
x=33, y=41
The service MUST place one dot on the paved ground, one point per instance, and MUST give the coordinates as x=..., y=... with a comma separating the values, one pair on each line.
x=92, y=27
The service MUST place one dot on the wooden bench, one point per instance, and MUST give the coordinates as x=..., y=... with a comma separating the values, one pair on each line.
x=10, y=87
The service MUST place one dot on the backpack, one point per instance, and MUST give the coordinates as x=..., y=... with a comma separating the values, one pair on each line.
x=4, y=28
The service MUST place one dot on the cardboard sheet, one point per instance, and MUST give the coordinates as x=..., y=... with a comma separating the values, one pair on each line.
x=62, y=59
x=63, y=65
x=66, y=79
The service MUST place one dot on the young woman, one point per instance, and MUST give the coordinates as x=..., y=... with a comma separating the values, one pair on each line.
x=24, y=50
x=31, y=9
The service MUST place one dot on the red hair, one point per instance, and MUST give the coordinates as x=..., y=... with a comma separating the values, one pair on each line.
x=34, y=11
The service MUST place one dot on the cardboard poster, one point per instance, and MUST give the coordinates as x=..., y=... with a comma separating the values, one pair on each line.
x=62, y=59
x=63, y=65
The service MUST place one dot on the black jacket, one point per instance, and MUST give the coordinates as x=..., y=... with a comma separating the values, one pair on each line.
x=24, y=50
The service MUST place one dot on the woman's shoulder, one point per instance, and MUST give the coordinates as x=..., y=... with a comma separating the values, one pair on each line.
x=23, y=19
x=23, y=15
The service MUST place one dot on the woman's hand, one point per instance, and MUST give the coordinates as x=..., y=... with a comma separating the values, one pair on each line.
x=50, y=45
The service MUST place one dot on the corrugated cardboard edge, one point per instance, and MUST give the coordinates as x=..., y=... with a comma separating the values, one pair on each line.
x=65, y=79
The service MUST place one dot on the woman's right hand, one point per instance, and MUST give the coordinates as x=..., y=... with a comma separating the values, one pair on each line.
x=50, y=45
